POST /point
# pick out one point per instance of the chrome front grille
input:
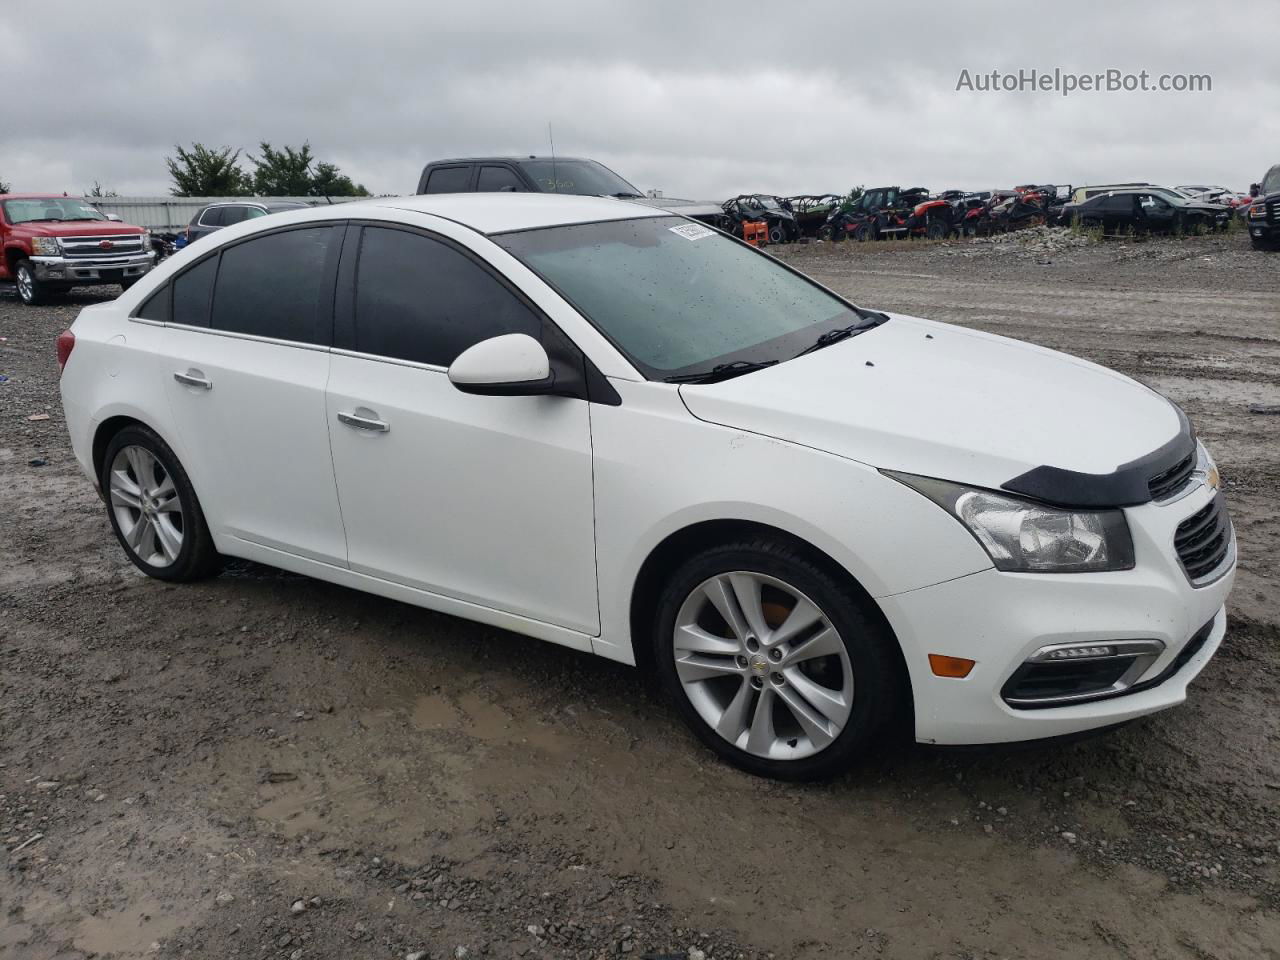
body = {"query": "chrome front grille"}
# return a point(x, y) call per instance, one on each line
point(1273, 211)
point(1203, 540)
point(92, 248)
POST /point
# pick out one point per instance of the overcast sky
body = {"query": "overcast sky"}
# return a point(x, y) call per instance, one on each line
point(698, 99)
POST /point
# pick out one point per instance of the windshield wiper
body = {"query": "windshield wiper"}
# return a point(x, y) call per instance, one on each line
point(844, 333)
point(722, 371)
point(44, 220)
point(627, 196)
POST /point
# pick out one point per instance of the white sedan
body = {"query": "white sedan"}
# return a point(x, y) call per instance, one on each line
point(605, 426)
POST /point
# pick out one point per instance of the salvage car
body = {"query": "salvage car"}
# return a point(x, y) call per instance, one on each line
point(774, 212)
point(53, 242)
point(619, 430)
point(1263, 214)
point(812, 210)
point(1142, 210)
point(215, 216)
point(563, 175)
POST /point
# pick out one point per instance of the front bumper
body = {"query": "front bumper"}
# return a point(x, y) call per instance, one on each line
point(92, 270)
point(1000, 620)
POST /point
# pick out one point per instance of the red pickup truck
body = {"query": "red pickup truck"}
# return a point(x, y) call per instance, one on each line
point(52, 242)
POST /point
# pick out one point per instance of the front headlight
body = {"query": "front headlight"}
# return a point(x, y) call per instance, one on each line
point(1028, 537)
point(46, 246)
point(146, 241)
point(1258, 210)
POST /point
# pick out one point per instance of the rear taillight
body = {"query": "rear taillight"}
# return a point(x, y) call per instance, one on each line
point(66, 343)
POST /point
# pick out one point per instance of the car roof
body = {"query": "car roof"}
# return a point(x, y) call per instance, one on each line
point(505, 212)
point(258, 202)
point(511, 159)
point(40, 196)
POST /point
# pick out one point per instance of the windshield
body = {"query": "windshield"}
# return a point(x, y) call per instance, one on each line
point(679, 298)
point(769, 203)
point(32, 209)
point(581, 177)
point(1271, 182)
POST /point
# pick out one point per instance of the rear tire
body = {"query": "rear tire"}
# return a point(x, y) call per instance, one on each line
point(803, 684)
point(936, 230)
point(153, 509)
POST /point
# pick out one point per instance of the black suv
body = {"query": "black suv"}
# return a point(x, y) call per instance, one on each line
point(1263, 217)
point(568, 175)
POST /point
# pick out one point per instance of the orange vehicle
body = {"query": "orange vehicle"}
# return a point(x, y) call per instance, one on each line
point(755, 232)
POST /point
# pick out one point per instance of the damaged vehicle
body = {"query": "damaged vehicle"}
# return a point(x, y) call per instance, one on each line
point(772, 211)
point(880, 213)
point(819, 525)
point(812, 210)
point(1143, 210)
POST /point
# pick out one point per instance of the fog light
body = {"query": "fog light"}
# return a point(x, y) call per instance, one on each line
point(1080, 653)
point(954, 667)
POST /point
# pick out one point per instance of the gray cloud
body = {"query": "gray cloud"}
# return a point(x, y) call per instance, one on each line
point(698, 99)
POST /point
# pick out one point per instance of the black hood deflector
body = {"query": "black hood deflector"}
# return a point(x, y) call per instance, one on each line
point(1127, 486)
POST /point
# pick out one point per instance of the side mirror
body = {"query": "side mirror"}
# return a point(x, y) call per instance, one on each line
point(512, 365)
point(114, 217)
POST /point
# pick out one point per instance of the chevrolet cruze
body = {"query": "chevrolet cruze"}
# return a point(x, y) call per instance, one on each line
point(594, 423)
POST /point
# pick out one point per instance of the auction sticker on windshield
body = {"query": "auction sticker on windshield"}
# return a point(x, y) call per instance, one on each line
point(692, 231)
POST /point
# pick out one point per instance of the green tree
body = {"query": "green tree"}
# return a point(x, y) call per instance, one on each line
point(4, 187)
point(205, 172)
point(329, 182)
point(98, 190)
point(283, 173)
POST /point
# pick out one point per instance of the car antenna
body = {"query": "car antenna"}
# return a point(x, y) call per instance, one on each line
point(555, 181)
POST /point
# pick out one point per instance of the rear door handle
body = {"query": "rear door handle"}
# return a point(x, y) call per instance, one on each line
point(364, 423)
point(192, 378)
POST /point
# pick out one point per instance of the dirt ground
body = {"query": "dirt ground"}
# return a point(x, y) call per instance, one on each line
point(263, 765)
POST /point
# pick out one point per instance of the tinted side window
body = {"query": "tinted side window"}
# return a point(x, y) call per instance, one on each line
point(493, 179)
point(156, 307)
point(449, 180)
point(235, 214)
point(191, 292)
point(212, 217)
point(273, 286)
point(421, 300)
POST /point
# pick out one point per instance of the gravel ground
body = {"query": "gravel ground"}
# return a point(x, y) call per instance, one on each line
point(262, 765)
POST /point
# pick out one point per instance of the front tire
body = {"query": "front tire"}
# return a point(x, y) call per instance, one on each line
point(31, 290)
point(773, 662)
point(153, 508)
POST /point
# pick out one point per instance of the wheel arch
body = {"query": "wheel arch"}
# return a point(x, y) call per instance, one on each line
point(703, 535)
point(112, 425)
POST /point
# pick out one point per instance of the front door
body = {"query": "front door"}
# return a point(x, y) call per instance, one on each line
point(482, 499)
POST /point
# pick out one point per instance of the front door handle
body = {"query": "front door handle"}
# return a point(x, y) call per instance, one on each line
point(192, 378)
point(364, 423)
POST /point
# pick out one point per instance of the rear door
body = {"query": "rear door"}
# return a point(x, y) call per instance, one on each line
point(487, 500)
point(247, 353)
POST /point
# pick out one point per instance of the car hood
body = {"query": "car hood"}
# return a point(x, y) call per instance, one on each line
point(77, 228)
point(943, 401)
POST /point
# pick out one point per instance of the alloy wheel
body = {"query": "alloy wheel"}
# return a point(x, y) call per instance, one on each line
point(26, 284)
point(763, 666)
point(146, 505)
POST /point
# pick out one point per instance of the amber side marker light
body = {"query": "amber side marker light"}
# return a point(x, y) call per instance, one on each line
point(943, 666)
